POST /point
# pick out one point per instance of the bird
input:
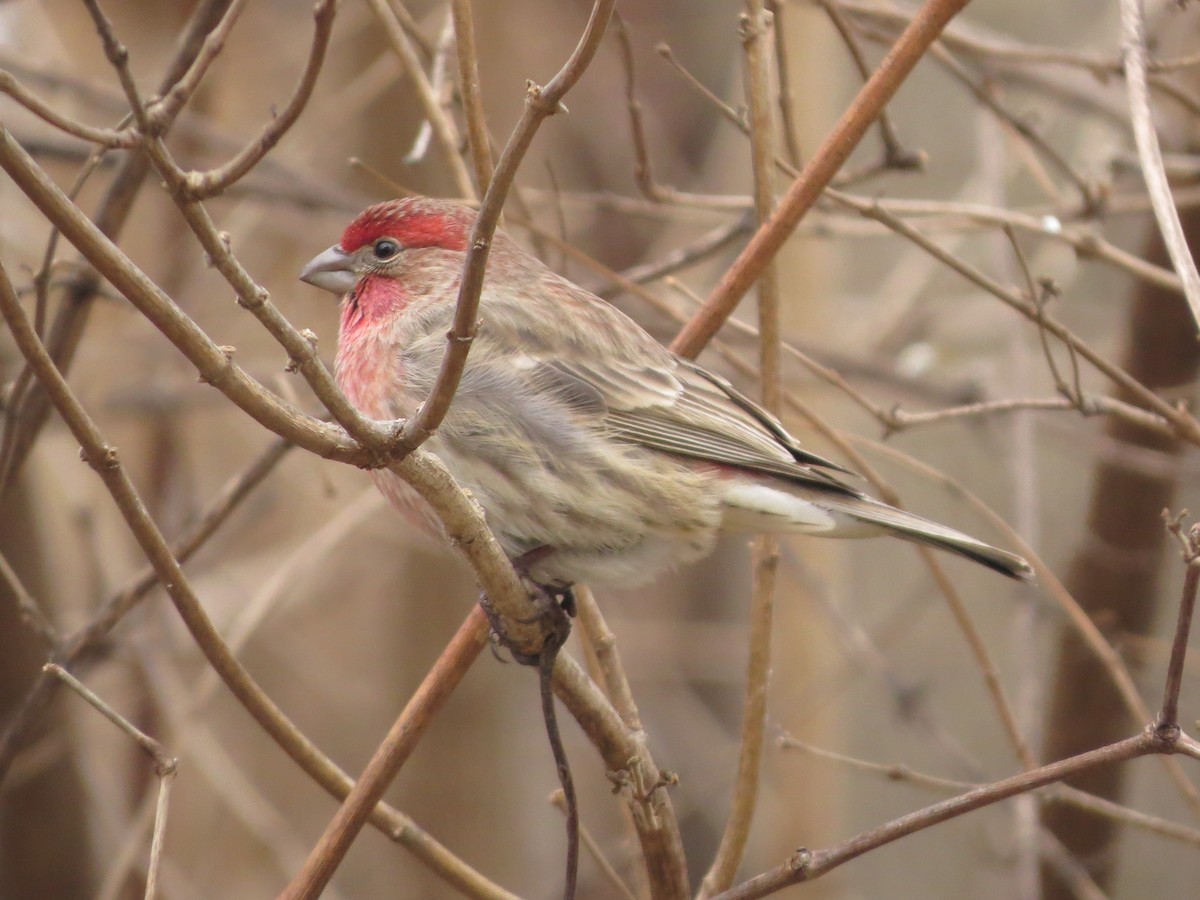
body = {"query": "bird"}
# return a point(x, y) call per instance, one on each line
point(597, 454)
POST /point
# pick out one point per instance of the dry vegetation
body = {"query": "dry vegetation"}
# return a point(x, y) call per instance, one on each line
point(988, 308)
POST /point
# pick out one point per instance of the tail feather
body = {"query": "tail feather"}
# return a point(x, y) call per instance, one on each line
point(765, 506)
point(923, 531)
point(760, 505)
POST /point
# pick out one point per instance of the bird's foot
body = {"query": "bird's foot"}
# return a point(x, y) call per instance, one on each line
point(553, 604)
point(561, 595)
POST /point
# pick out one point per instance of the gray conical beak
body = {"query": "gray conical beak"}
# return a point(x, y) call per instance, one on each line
point(331, 271)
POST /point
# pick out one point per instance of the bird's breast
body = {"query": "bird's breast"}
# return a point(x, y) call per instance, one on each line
point(369, 371)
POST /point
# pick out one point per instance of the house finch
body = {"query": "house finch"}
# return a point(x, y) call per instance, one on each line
point(596, 454)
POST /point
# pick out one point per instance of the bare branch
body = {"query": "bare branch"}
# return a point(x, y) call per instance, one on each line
point(805, 190)
point(443, 128)
point(30, 612)
point(540, 102)
point(755, 36)
point(1168, 716)
point(472, 94)
point(105, 137)
point(164, 768)
point(401, 740)
point(1133, 48)
point(207, 184)
point(809, 864)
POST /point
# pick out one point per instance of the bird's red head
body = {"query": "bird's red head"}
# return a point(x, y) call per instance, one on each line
point(414, 222)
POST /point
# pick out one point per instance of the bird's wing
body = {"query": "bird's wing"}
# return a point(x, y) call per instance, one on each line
point(563, 341)
point(678, 407)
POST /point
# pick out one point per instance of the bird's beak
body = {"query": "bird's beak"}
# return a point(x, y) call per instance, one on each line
point(331, 271)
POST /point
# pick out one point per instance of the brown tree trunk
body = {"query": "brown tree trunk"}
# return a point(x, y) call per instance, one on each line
point(1114, 575)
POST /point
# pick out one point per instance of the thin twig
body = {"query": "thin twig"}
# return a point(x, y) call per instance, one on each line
point(472, 93)
point(540, 102)
point(118, 56)
point(110, 138)
point(1186, 426)
point(165, 767)
point(643, 175)
point(1086, 243)
point(1088, 631)
point(895, 156)
point(604, 644)
point(1133, 49)
point(1057, 793)
point(443, 128)
point(806, 864)
point(1168, 716)
point(66, 332)
point(787, 105)
point(176, 96)
point(429, 478)
point(73, 648)
point(156, 751)
point(635, 776)
point(686, 255)
point(983, 659)
point(804, 191)
point(214, 364)
point(1039, 144)
point(208, 184)
point(442, 88)
point(597, 852)
point(31, 613)
point(754, 30)
point(897, 419)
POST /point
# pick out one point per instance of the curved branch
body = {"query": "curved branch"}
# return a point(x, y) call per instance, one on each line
point(1133, 46)
point(540, 102)
point(163, 112)
point(202, 185)
point(123, 138)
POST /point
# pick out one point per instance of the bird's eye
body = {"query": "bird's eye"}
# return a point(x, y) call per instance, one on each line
point(385, 249)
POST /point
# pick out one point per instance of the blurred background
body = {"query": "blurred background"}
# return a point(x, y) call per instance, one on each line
point(338, 608)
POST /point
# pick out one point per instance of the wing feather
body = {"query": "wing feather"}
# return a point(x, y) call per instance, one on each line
point(679, 408)
point(612, 372)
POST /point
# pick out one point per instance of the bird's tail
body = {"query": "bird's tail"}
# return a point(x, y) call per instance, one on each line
point(922, 531)
point(834, 510)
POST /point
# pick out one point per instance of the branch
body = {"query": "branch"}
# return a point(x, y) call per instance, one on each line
point(193, 69)
point(635, 778)
point(123, 138)
point(754, 29)
point(439, 683)
point(403, 47)
point(806, 865)
point(212, 362)
point(67, 329)
point(833, 152)
point(472, 94)
point(202, 185)
point(164, 767)
point(1168, 717)
point(103, 459)
point(1133, 47)
point(31, 614)
point(540, 102)
point(70, 650)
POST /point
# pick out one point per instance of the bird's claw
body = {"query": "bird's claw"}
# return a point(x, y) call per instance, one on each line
point(555, 604)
